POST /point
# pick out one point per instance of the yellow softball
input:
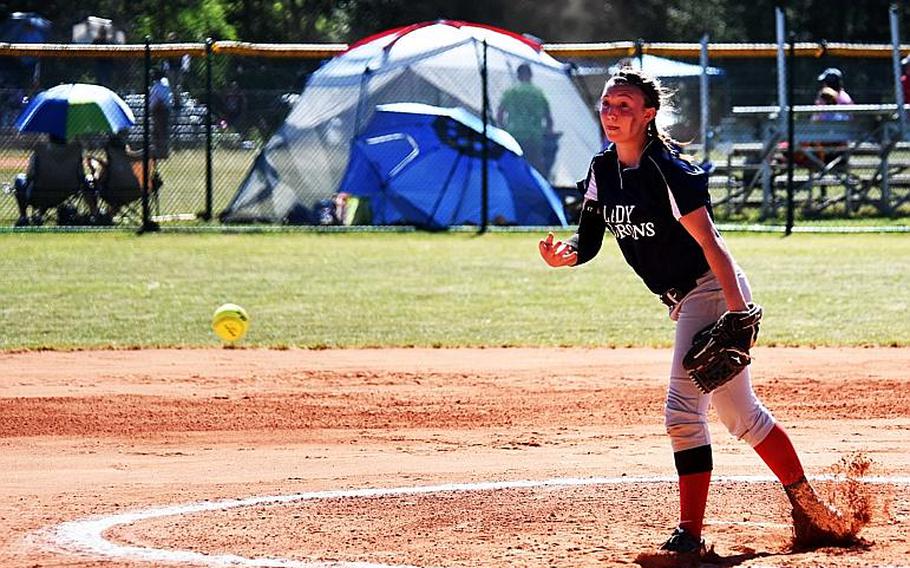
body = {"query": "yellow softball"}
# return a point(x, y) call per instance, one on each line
point(230, 322)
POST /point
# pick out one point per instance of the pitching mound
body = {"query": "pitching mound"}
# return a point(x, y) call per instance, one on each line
point(559, 457)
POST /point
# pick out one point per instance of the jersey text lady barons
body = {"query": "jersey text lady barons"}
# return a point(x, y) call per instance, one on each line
point(641, 208)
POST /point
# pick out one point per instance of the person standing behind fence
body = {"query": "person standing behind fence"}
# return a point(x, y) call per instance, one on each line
point(103, 65)
point(161, 104)
point(235, 106)
point(525, 114)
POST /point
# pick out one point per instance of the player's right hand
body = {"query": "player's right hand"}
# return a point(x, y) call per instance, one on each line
point(557, 254)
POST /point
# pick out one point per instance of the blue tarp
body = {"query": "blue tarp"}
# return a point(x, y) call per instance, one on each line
point(422, 165)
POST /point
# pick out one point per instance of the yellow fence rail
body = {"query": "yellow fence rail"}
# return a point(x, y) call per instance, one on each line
point(326, 50)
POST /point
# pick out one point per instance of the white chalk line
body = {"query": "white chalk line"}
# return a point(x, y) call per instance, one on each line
point(86, 536)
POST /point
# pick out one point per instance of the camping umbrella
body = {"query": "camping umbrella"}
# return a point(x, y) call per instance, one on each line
point(422, 165)
point(72, 109)
point(24, 27)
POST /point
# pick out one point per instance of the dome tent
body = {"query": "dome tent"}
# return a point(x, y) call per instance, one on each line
point(417, 164)
point(434, 63)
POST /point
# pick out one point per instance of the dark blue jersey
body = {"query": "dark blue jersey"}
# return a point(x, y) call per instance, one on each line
point(641, 208)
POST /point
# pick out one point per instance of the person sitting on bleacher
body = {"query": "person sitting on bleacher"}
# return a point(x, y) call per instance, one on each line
point(831, 92)
point(815, 155)
point(833, 78)
point(828, 96)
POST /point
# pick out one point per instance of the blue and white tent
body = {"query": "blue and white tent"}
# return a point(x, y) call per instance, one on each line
point(435, 63)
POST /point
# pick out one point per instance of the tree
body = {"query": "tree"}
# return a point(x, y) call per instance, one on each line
point(183, 20)
point(566, 21)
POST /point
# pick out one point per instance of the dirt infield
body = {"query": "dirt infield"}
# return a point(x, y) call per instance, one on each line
point(99, 433)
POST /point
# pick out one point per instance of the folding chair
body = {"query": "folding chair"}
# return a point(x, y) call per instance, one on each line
point(56, 179)
point(118, 182)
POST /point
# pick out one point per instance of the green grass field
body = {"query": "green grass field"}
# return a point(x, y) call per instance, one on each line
point(375, 289)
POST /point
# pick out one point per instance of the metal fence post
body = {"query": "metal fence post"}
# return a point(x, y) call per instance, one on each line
point(791, 134)
point(704, 100)
point(899, 99)
point(147, 224)
point(485, 156)
point(769, 205)
point(207, 214)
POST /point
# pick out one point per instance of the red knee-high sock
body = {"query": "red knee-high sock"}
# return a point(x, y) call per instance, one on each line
point(694, 468)
point(777, 451)
point(693, 496)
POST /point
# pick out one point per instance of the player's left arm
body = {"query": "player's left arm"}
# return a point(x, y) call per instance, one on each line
point(699, 224)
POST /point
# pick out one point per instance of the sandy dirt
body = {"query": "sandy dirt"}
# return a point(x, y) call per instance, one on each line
point(92, 433)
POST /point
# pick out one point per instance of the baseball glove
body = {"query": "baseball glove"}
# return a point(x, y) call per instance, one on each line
point(720, 351)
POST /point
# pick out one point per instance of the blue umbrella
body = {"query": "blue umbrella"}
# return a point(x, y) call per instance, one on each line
point(73, 109)
point(24, 27)
point(422, 165)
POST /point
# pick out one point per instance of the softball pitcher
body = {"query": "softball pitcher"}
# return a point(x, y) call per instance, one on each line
point(656, 205)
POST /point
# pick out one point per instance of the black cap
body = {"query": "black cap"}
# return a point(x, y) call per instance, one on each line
point(831, 72)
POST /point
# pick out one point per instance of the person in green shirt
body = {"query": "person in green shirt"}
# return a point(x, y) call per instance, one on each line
point(525, 114)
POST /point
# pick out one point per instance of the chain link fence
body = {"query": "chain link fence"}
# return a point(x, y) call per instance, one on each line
point(243, 99)
point(230, 103)
point(852, 160)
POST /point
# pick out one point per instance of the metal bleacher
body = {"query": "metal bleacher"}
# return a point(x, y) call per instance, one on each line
point(852, 158)
point(187, 123)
